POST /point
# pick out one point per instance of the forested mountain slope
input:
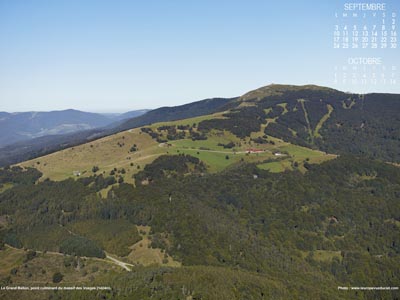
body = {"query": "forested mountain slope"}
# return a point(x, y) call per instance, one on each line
point(321, 118)
point(285, 235)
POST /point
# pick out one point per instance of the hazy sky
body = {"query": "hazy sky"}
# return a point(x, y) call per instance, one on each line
point(115, 55)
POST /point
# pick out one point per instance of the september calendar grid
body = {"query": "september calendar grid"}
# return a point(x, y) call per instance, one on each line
point(366, 35)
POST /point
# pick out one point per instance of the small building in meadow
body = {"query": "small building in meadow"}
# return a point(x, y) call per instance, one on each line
point(251, 150)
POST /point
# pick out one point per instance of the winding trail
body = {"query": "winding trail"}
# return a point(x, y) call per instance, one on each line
point(214, 151)
point(120, 263)
point(108, 259)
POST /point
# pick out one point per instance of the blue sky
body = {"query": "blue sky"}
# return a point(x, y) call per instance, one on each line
point(113, 56)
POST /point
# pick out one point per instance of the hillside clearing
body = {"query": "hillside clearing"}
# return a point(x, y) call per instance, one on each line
point(143, 254)
point(113, 155)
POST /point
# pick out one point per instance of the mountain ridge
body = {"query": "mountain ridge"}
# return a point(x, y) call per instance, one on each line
point(21, 126)
point(313, 116)
point(43, 145)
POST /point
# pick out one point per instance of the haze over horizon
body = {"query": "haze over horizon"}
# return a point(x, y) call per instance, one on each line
point(116, 56)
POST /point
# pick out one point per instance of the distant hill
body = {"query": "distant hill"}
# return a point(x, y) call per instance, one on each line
point(23, 126)
point(24, 150)
point(120, 117)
